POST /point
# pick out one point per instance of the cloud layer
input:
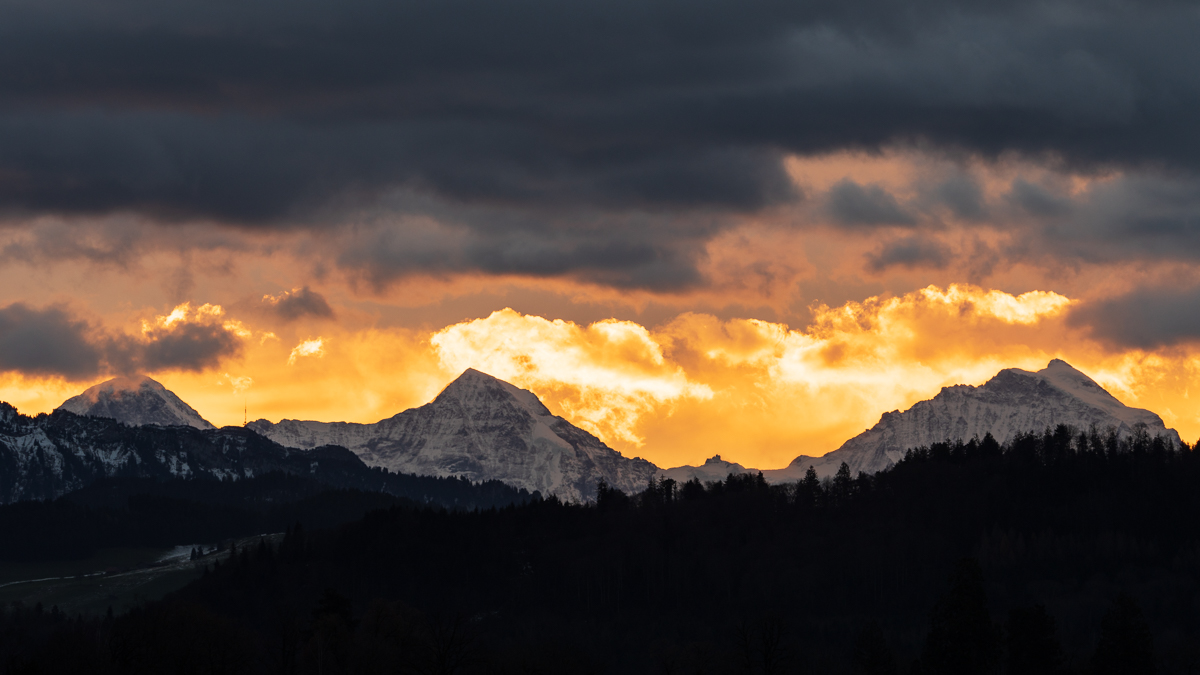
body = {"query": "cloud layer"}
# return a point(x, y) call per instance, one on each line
point(700, 212)
point(601, 141)
point(51, 341)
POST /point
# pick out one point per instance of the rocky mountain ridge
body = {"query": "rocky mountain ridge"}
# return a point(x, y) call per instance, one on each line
point(482, 428)
point(47, 456)
point(1012, 402)
point(479, 427)
point(135, 400)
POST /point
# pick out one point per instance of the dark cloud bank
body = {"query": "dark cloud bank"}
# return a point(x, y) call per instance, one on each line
point(601, 139)
point(52, 342)
point(1147, 318)
point(261, 110)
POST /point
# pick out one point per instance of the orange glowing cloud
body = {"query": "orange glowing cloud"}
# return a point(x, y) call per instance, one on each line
point(757, 392)
point(762, 392)
point(605, 376)
point(314, 347)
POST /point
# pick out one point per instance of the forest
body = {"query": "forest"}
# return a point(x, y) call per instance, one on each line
point(149, 512)
point(1066, 551)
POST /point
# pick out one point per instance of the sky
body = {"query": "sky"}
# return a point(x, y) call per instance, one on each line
point(745, 229)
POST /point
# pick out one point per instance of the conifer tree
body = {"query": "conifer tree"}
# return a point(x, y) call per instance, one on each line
point(872, 656)
point(1033, 646)
point(1126, 646)
point(843, 484)
point(962, 639)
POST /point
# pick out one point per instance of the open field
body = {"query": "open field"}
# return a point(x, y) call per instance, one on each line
point(117, 578)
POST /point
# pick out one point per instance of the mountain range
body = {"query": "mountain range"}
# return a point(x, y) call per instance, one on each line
point(47, 456)
point(479, 427)
point(1012, 402)
point(482, 428)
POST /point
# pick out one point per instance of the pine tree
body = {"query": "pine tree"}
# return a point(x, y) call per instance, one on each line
point(1033, 647)
point(962, 639)
point(1126, 646)
point(872, 656)
point(843, 484)
point(809, 490)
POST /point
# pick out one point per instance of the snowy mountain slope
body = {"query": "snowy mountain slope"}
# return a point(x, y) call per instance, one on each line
point(1012, 402)
point(481, 428)
point(45, 457)
point(135, 400)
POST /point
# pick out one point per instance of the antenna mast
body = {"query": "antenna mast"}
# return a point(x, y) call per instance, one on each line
point(245, 413)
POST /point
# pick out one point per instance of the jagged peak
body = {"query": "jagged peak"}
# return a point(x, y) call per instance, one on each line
point(125, 390)
point(1069, 379)
point(715, 459)
point(127, 383)
point(117, 386)
point(1055, 367)
point(472, 381)
point(1059, 364)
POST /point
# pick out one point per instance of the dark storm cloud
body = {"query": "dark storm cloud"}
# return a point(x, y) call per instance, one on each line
point(187, 346)
point(910, 252)
point(1147, 318)
point(1037, 200)
point(51, 341)
point(46, 342)
point(269, 114)
point(1144, 216)
point(299, 303)
point(639, 253)
point(854, 204)
point(963, 197)
point(254, 111)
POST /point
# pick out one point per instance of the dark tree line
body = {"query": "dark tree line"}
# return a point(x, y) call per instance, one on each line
point(147, 512)
point(1061, 552)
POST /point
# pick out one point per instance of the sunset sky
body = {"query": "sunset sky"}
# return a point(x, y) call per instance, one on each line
point(691, 228)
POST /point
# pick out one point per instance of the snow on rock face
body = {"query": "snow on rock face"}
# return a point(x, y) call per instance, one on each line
point(1012, 402)
point(47, 456)
point(135, 401)
point(481, 428)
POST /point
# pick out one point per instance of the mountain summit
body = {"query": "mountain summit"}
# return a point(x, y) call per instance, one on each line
point(135, 400)
point(1012, 402)
point(479, 428)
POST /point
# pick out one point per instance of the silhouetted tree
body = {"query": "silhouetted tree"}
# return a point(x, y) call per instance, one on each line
point(808, 491)
point(872, 656)
point(609, 498)
point(1033, 646)
point(962, 639)
point(843, 484)
point(692, 490)
point(1126, 646)
point(988, 447)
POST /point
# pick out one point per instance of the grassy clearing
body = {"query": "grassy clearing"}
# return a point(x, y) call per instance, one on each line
point(121, 558)
point(118, 578)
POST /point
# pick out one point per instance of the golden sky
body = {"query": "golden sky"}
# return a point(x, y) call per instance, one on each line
point(797, 332)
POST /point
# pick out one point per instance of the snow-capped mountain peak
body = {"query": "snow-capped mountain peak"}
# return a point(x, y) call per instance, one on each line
point(1062, 375)
point(135, 400)
point(481, 428)
point(473, 387)
point(1014, 401)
